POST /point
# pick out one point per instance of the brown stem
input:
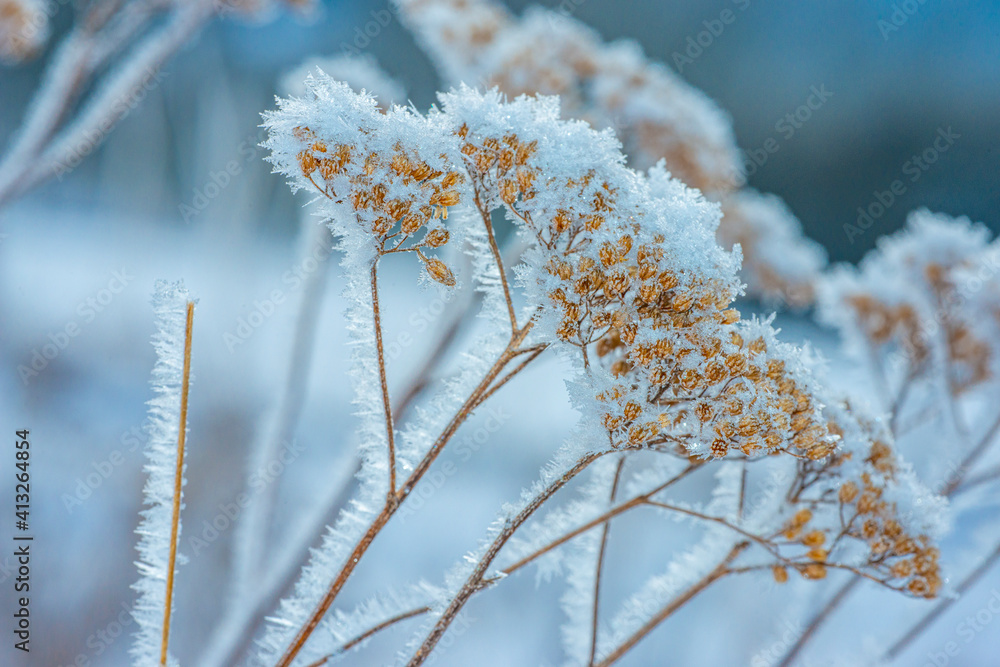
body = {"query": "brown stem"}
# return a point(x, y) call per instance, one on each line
point(488, 223)
point(743, 490)
point(395, 502)
point(475, 580)
point(713, 519)
point(277, 584)
point(818, 620)
point(600, 564)
point(607, 516)
point(721, 570)
point(970, 459)
point(338, 583)
point(532, 355)
point(372, 631)
point(178, 484)
point(389, 428)
point(470, 404)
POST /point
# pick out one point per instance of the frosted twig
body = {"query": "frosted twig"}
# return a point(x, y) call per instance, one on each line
point(478, 575)
point(160, 527)
point(39, 152)
point(382, 518)
point(599, 566)
point(178, 483)
point(721, 570)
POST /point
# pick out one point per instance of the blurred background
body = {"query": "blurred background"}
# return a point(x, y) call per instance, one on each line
point(123, 218)
point(893, 87)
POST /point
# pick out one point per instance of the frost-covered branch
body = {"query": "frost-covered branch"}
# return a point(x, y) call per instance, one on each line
point(623, 278)
point(117, 50)
point(160, 527)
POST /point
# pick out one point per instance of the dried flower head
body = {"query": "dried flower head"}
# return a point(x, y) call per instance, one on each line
point(390, 172)
point(930, 293)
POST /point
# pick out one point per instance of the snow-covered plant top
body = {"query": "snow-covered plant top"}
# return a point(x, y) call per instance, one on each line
point(623, 276)
point(928, 293)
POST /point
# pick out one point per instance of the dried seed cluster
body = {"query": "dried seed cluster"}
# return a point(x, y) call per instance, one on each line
point(679, 364)
point(930, 293)
point(389, 171)
point(845, 505)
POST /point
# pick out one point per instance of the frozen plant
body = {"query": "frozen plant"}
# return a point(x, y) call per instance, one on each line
point(922, 314)
point(624, 280)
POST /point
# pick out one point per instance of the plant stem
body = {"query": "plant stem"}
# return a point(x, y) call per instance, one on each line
point(721, 570)
point(227, 644)
point(386, 404)
point(970, 459)
point(604, 518)
point(498, 258)
point(178, 484)
point(396, 500)
point(474, 582)
point(600, 563)
point(607, 516)
point(819, 619)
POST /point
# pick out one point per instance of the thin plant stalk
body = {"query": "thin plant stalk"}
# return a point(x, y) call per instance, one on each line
point(396, 500)
point(599, 567)
point(475, 580)
point(178, 483)
point(721, 570)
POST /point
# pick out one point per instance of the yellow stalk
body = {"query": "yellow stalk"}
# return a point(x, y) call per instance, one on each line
point(178, 475)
